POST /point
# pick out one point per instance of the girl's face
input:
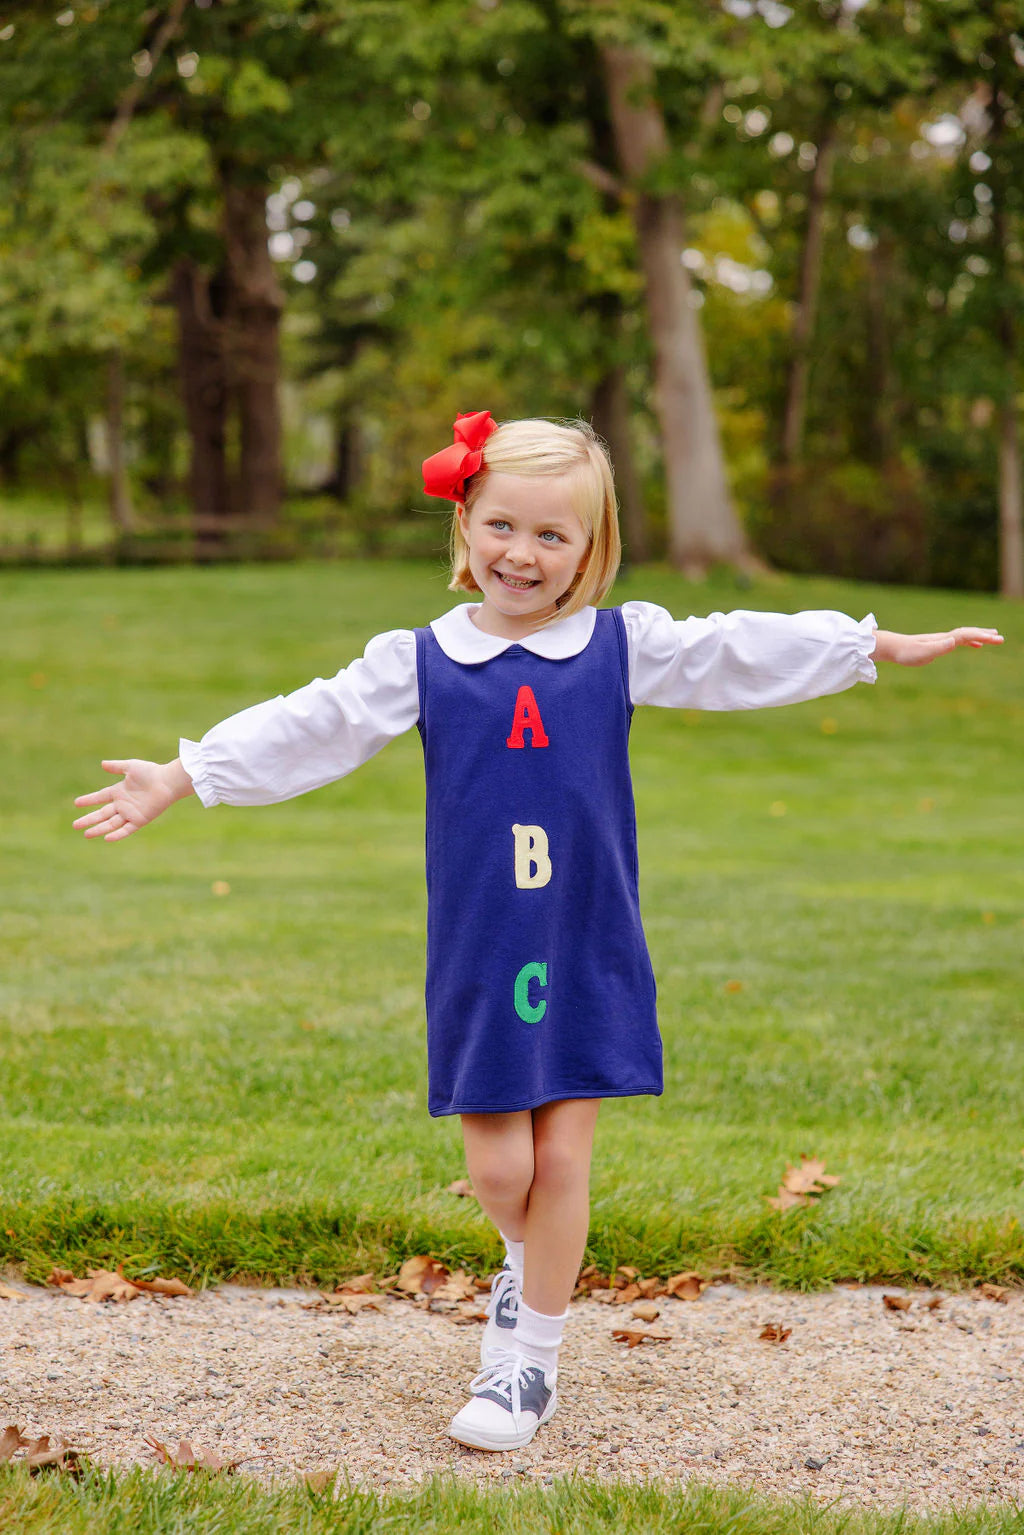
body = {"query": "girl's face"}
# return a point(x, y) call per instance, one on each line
point(526, 547)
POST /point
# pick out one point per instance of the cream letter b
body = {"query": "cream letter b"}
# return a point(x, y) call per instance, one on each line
point(533, 866)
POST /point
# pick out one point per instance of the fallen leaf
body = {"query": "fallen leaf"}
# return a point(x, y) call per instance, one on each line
point(462, 1188)
point(628, 1293)
point(774, 1332)
point(344, 1301)
point(592, 1279)
point(421, 1276)
point(632, 1337)
point(896, 1302)
point(6, 1293)
point(993, 1292)
point(646, 1311)
point(185, 1458)
point(932, 1303)
point(319, 1481)
point(629, 1275)
point(10, 1440)
point(359, 1284)
point(800, 1184)
point(457, 1287)
point(111, 1285)
point(161, 1286)
point(99, 1285)
point(784, 1200)
point(40, 1455)
point(688, 1286)
point(649, 1287)
point(470, 1311)
point(605, 1297)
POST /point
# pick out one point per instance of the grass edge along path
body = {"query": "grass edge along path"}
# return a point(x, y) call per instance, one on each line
point(159, 1503)
point(318, 1244)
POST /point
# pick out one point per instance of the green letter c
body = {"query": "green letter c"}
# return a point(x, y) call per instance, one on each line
point(528, 1011)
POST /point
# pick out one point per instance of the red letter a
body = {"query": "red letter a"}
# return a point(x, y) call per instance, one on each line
point(527, 717)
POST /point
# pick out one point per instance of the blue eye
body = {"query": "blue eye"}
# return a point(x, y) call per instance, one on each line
point(552, 534)
point(498, 522)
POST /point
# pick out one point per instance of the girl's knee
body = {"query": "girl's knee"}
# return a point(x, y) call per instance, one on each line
point(501, 1175)
point(560, 1163)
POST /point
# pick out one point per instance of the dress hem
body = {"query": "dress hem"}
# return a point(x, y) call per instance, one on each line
point(556, 1097)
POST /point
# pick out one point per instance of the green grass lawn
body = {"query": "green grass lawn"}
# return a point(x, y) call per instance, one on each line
point(235, 1084)
point(146, 1503)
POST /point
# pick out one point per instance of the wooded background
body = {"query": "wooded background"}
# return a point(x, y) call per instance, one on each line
point(255, 254)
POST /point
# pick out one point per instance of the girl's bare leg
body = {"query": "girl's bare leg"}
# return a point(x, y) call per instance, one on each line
point(558, 1211)
point(500, 1159)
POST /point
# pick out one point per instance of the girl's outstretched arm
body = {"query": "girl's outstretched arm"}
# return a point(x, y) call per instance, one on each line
point(146, 791)
point(919, 649)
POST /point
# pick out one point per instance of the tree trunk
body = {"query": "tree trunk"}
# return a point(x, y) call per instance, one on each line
point(254, 353)
point(1011, 502)
point(610, 410)
point(703, 527)
point(121, 514)
point(879, 444)
point(204, 391)
point(1011, 489)
point(794, 417)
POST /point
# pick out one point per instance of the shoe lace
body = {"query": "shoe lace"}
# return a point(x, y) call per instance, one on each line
point(506, 1375)
point(504, 1295)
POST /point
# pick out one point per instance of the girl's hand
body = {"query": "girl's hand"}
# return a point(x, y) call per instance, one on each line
point(146, 791)
point(919, 649)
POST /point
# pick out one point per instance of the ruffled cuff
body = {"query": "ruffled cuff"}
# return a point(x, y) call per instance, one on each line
point(867, 671)
point(191, 754)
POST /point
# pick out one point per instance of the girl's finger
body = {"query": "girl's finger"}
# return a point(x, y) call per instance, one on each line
point(97, 797)
point(93, 818)
point(114, 766)
point(122, 832)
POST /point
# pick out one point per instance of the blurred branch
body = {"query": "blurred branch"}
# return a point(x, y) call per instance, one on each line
point(133, 95)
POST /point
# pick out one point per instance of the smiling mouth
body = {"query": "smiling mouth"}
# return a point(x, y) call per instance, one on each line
point(515, 583)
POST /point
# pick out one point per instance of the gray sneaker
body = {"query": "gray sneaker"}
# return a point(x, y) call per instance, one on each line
point(502, 1310)
point(508, 1403)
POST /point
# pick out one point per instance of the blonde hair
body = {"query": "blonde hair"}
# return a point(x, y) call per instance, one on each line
point(533, 447)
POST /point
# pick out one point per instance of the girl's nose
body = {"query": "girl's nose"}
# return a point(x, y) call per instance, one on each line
point(521, 553)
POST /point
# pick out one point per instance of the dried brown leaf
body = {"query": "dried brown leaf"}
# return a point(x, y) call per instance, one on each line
point(628, 1275)
point(10, 1441)
point(993, 1292)
point(319, 1481)
point(897, 1302)
point(646, 1311)
point(470, 1311)
point(457, 1287)
point(343, 1301)
point(421, 1276)
point(627, 1295)
point(632, 1337)
point(40, 1455)
point(605, 1297)
point(6, 1293)
point(360, 1284)
point(774, 1332)
point(462, 1188)
point(185, 1458)
point(932, 1303)
point(651, 1287)
point(785, 1200)
point(98, 1285)
point(688, 1286)
point(161, 1286)
point(592, 1279)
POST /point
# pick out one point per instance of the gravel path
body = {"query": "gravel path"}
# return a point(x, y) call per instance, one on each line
point(860, 1403)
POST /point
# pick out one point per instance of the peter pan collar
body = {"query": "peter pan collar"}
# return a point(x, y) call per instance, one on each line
point(461, 640)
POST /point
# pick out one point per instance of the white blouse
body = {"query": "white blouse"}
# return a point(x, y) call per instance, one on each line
point(743, 660)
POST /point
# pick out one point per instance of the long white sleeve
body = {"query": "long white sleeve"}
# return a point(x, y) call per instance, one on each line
point(744, 660)
point(289, 745)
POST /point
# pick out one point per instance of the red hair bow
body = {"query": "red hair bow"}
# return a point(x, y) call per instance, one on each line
point(445, 473)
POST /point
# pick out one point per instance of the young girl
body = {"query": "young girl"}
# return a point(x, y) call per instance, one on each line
point(540, 995)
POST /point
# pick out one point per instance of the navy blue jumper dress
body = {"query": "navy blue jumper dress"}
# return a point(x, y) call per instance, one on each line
point(539, 984)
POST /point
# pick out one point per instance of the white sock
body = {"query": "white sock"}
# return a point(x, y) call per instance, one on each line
point(515, 1253)
point(537, 1336)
